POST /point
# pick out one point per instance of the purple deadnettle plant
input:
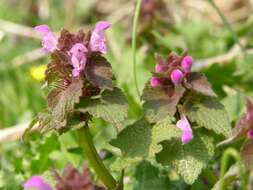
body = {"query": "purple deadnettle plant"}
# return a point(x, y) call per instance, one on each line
point(80, 87)
point(180, 109)
point(173, 77)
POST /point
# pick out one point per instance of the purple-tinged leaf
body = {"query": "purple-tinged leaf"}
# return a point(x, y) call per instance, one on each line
point(67, 40)
point(245, 123)
point(72, 179)
point(99, 72)
point(198, 82)
point(61, 101)
point(59, 69)
point(247, 153)
point(160, 102)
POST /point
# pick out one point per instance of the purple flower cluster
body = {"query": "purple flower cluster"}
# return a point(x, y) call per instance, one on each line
point(176, 74)
point(173, 71)
point(78, 51)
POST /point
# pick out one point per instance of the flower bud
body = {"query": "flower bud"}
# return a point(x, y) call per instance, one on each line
point(155, 81)
point(176, 76)
point(186, 64)
point(158, 68)
point(250, 134)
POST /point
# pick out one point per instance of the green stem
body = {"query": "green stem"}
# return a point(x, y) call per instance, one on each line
point(225, 21)
point(86, 143)
point(134, 34)
point(231, 152)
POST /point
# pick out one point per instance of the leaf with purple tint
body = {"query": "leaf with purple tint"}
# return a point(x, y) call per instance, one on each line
point(159, 102)
point(99, 72)
point(199, 83)
point(247, 153)
point(245, 123)
point(62, 101)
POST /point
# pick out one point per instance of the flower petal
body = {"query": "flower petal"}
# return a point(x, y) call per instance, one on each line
point(186, 64)
point(78, 58)
point(97, 40)
point(186, 129)
point(102, 25)
point(49, 42)
point(176, 76)
point(36, 182)
point(154, 82)
point(44, 29)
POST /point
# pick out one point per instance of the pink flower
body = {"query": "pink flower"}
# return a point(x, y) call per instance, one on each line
point(78, 58)
point(176, 76)
point(97, 40)
point(186, 129)
point(154, 82)
point(49, 40)
point(37, 183)
point(250, 134)
point(160, 68)
point(186, 64)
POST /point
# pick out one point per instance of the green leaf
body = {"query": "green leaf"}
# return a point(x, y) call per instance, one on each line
point(149, 177)
point(199, 83)
point(188, 160)
point(99, 72)
point(159, 103)
point(208, 112)
point(121, 163)
point(112, 106)
point(142, 140)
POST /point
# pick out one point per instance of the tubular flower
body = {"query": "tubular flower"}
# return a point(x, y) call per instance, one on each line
point(37, 183)
point(49, 40)
point(97, 40)
point(159, 68)
point(78, 58)
point(250, 134)
point(184, 125)
point(174, 69)
point(186, 64)
point(176, 76)
point(154, 82)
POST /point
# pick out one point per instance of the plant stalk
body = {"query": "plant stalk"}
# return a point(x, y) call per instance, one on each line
point(231, 152)
point(134, 34)
point(226, 23)
point(86, 143)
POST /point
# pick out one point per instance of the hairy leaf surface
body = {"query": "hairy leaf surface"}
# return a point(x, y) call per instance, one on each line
point(188, 160)
point(159, 103)
point(112, 106)
point(208, 112)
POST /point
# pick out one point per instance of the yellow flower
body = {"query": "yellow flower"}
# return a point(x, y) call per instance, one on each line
point(38, 72)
